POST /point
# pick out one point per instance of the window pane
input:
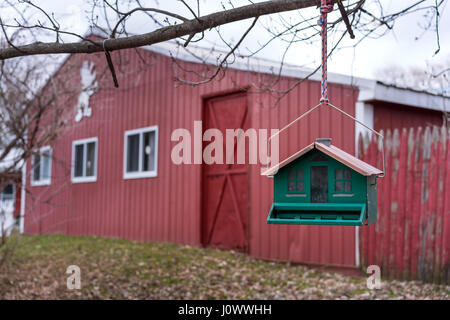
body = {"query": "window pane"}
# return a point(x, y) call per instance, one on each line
point(79, 154)
point(148, 152)
point(36, 167)
point(90, 159)
point(8, 189)
point(347, 186)
point(347, 174)
point(152, 151)
point(45, 162)
point(133, 153)
point(291, 186)
point(300, 174)
point(300, 186)
point(291, 174)
point(8, 193)
point(338, 186)
point(338, 173)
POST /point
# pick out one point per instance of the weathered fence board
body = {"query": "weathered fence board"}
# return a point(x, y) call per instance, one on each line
point(411, 239)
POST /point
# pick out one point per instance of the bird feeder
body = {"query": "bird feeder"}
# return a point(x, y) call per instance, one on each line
point(323, 185)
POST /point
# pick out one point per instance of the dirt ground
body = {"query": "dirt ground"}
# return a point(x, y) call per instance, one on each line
point(119, 269)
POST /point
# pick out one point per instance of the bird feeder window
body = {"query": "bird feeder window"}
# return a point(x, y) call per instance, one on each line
point(343, 181)
point(296, 183)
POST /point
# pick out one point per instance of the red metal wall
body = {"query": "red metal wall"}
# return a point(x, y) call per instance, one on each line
point(168, 207)
point(411, 239)
point(396, 116)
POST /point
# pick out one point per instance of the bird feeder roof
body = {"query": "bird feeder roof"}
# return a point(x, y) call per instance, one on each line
point(339, 155)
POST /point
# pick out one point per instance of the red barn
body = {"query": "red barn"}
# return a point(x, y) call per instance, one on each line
point(110, 171)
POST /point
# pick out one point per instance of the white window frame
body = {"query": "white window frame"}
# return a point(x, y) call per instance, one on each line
point(2, 199)
point(84, 142)
point(42, 182)
point(140, 173)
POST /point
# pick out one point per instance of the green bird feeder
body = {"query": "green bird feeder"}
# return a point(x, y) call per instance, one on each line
point(323, 185)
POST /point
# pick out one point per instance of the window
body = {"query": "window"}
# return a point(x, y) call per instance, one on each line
point(343, 180)
point(141, 153)
point(296, 181)
point(8, 193)
point(41, 167)
point(84, 160)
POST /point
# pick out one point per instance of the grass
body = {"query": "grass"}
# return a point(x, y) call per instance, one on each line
point(120, 269)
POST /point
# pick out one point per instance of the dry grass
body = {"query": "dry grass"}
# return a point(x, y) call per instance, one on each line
point(119, 269)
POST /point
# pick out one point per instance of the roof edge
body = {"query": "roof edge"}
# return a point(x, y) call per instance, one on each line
point(370, 90)
point(413, 98)
point(334, 152)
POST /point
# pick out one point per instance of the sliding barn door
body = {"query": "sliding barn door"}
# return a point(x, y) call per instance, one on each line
point(225, 194)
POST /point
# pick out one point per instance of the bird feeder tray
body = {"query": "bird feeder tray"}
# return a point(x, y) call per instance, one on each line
point(350, 214)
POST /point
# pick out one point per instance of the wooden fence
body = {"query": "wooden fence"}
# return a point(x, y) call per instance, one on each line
point(411, 239)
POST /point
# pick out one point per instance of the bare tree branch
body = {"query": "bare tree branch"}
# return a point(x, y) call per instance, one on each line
point(162, 34)
point(224, 60)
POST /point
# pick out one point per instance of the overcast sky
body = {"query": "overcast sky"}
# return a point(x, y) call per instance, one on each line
point(406, 46)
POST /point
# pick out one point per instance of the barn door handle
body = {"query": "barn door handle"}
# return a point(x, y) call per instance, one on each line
point(345, 114)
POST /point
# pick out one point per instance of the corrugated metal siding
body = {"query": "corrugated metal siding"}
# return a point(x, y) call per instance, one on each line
point(395, 116)
point(168, 207)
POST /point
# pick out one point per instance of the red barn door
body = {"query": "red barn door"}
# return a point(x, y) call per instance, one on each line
point(225, 186)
